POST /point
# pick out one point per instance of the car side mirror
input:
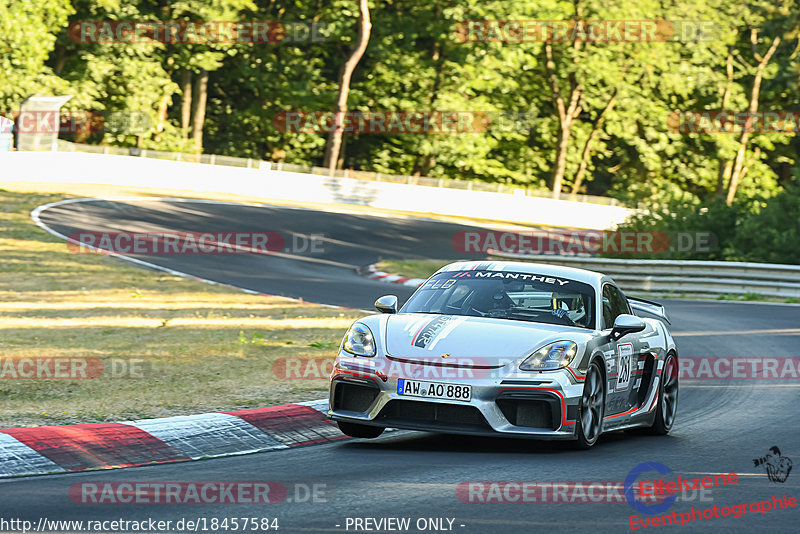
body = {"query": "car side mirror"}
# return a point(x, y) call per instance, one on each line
point(626, 324)
point(388, 304)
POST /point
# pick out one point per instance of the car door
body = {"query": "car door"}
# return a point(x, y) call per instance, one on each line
point(622, 357)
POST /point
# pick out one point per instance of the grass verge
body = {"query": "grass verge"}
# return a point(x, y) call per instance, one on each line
point(193, 347)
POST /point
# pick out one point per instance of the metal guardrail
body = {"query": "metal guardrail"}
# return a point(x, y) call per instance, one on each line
point(700, 278)
point(250, 163)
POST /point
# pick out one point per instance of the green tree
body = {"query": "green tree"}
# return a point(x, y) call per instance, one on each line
point(28, 30)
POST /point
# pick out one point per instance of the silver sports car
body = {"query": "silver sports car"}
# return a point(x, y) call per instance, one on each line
point(510, 349)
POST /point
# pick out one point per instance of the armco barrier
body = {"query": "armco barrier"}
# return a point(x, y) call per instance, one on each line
point(77, 167)
point(702, 278)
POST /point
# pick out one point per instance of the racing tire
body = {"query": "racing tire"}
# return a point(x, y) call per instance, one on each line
point(355, 430)
point(667, 398)
point(591, 408)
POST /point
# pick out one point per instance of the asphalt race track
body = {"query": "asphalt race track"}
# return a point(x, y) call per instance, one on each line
point(722, 425)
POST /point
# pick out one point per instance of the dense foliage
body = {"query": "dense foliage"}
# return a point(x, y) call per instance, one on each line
point(755, 229)
point(601, 108)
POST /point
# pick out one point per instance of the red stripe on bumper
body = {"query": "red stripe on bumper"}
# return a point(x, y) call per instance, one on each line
point(564, 421)
point(576, 375)
point(96, 446)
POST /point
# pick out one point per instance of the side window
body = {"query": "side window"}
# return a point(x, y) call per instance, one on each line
point(614, 304)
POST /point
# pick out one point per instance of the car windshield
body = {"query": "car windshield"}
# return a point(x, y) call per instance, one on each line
point(506, 295)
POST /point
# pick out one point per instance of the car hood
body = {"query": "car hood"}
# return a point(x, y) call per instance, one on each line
point(426, 337)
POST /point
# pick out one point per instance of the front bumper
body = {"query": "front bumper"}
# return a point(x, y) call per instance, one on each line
point(508, 402)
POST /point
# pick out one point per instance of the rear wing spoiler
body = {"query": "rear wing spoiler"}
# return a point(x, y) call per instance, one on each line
point(648, 306)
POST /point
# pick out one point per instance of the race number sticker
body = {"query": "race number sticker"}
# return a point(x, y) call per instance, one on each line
point(624, 365)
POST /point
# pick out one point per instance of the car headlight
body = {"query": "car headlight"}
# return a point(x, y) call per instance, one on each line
point(552, 356)
point(359, 341)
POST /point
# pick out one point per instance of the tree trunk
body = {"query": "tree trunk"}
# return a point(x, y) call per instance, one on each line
point(61, 60)
point(736, 173)
point(85, 130)
point(725, 166)
point(186, 102)
point(342, 152)
point(561, 157)
point(345, 74)
point(566, 115)
point(756, 157)
point(163, 107)
point(200, 95)
point(423, 164)
point(738, 164)
point(587, 148)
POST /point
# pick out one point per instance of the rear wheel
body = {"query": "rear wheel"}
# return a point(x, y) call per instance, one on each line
point(592, 407)
point(667, 398)
point(355, 430)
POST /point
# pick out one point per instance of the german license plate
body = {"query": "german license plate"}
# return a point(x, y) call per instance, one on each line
point(434, 390)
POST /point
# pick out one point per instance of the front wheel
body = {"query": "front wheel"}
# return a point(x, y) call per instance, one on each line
point(355, 430)
point(667, 398)
point(591, 408)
